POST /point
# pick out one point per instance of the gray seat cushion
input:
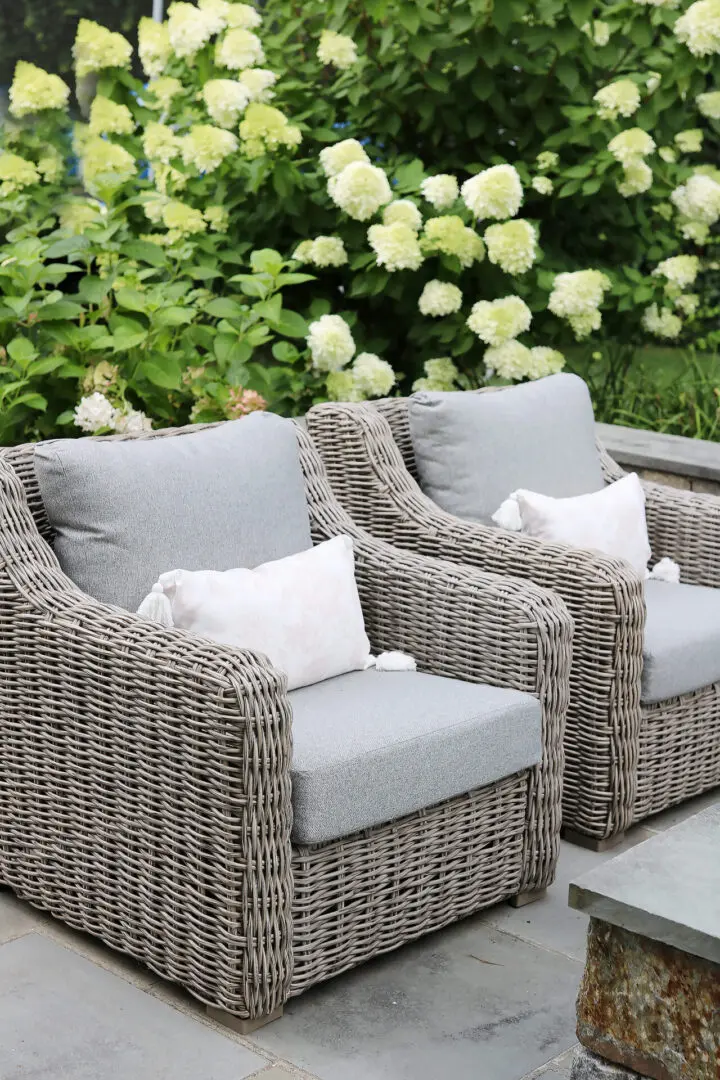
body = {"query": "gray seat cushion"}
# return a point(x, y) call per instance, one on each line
point(681, 652)
point(473, 450)
point(372, 746)
point(218, 498)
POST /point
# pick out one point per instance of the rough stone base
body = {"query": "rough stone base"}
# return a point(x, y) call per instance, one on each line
point(649, 1007)
point(588, 1066)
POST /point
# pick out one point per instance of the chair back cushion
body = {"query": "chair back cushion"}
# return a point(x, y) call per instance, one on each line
point(472, 450)
point(125, 511)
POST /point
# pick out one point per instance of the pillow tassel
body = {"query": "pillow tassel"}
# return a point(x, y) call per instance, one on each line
point(156, 606)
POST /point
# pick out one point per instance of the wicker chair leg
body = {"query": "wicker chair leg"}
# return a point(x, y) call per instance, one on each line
point(529, 897)
point(237, 1023)
point(592, 843)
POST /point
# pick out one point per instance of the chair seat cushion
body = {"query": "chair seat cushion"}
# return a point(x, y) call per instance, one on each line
point(370, 747)
point(682, 640)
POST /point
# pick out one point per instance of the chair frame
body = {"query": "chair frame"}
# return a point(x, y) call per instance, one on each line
point(624, 760)
point(145, 792)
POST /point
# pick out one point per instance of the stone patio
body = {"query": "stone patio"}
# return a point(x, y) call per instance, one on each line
point(491, 998)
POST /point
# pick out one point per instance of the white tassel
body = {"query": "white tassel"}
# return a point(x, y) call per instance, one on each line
point(507, 516)
point(666, 570)
point(156, 606)
point(395, 661)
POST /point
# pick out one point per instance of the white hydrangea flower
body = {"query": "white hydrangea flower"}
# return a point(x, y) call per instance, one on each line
point(652, 81)
point(258, 82)
point(331, 343)
point(450, 235)
point(303, 252)
point(545, 361)
point(96, 48)
point(33, 90)
point(631, 144)
point(337, 50)
point(333, 159)
point(164, 90)
point(709, 104)
point(205, 147)
point(396, 246)
point(225, 101)
point(154, 46)
point(497, 321)
point(109, 118)
point(189, 28)
point(511, 246)
point(132, 422)
point(238, 49)
point(547, 159)
point(372, 376)
point(699, 27)
point(679, 270)
point(598, 31)
point(698, 199)
point(543, 185)
point(582, 325)
point(690, 141)
point(160, 143)
point(577, 296)
point(404, 211)
point(327, 251)
point(638, 178)
point(494, 193)
point(94, 412)
point(440, 375)
point(688, 303)
point(663, 323)
point(511, 360)
point(667, 154)
point(341, 386)
point(621, 98)
point(360, 190)
point(440, 191)
point(440, 298)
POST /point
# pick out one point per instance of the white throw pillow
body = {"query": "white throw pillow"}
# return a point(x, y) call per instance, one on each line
point(611, 520)
point(303, 612)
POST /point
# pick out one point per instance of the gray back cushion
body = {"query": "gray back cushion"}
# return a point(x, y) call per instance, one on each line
point(215, 499)
point(473, 450)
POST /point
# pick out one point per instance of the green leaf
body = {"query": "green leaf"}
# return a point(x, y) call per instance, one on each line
point(408, 17)
point(173, 316)
point(67, 248)
point(581, 11)
point(21, 350)
point(266, 261)
point(93, 290)
point(45, 365)
point(225, 308)
point(61, 309)
point(144, 251)
point(567, 74)
point(285, 352)
point(32, 401)
point(250, 285)
point(65, 417)
point(131, 300)
point(291, 324)
point(168, 375)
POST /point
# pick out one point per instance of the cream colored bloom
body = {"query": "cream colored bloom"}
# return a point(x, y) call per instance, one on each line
point(33, 90)
point(341, 386)
point(441, 191)
point(709, 104)
point(699, 27)
point(337, 50)
point(164, 90)
point(497, 321)
point(360, 190)
point(697, 231)
point(680, 270)
point(154, 46)
point(242, 16)
point(545, 361)
point(404, 211)
point(303, 252)
point(216, 217)
point(396, 246)
point(663, 323)
point(583, 325)
point(511, 360)
point(331, 343)
point(239, 49)
point(190, 28)
point(579, 293)
point(96, 48)
point(451, 236)
point(160, 143)
point(109, 118)
point(105, 165)
point(94, 413)
point(205, 147)
point(512, 246)
point(547, 159)
point(327, 251)
point(620, 98)
point(698, 199)
point(690, 141)
point(688, 303)
point(638, 178)
point(51, 165)
point(225, 101)
point(333, 159)
point(598, 31)
point(373, 377)
point(630, 145)
point(440, 298)
point(494, 193)
point(133, 421)
point(182, 219)
point(77, 215)
point(258, 82)
point(440, 375)
point(543, 185)
point(652, 81)
point(667, 154)
point(16, 173)
point(264, 128)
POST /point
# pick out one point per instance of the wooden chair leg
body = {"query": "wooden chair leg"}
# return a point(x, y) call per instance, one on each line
point(528, 897)
point(592, 843)
point(237, 1023)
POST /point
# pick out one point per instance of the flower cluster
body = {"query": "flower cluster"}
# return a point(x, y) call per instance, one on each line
point(96, 48)
point(189, 28)
point(360, 189)
point(638, 177)
point(109, 118)
point(258, 82)
point(498, 321)
point(688, 303)
point(546, 160)
point(440, 298)
point(396, 246)
point(16, 173)
point(621, 98)
point(322, 251)
point(205, 147)
point(598, 31)
point(164, 90)
point(225, 101)
point(338, 50)
point(441, 191)
point(369, 377)
point(405, 212)
point(182, 220)
point(661, 322)
point(265, 128)
point(242, 402)
point(239, 49)
point(542, 184)
point(699, 27)
point(493, 193)
point(105, 165)
point(34, 90)
point(160, 143)
point(698, 201)
point(333, 159)
point(51, 165)
point(511, 246)
point(331, 343)
point(451, 236)
point(441, 375)
point(154, 47)
point(95, 412)
point(680, 270)
point(577, 297)
point(631, 144)
point(690, 141)
point(709, 104)
point(545, 361)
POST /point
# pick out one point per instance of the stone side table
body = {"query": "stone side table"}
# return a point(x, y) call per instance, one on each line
point(649, 1002)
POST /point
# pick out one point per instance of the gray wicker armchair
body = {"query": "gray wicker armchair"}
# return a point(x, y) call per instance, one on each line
point(624, 760)
point(145, 788)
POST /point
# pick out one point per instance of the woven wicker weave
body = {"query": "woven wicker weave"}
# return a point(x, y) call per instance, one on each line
point(624, 761)
point(145, 784)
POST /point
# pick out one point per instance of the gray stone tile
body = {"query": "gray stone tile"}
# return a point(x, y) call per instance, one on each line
point(549, 922)
point(16, 918)
point(669, 818)
point(464, 1003)
point(64, 1018)
point(281, 1072)
point(558, 1069)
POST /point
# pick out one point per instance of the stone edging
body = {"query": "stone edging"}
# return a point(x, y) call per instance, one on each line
point(664, 457)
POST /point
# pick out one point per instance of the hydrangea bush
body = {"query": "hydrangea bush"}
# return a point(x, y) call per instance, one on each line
point(446, 193)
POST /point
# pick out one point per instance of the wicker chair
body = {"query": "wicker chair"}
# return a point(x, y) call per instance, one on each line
point(624, 760)
point(145, 773)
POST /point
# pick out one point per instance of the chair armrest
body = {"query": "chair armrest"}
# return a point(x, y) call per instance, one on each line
point(144, 780)
point(469, 624)
point(685, 526)
point(604, 596)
